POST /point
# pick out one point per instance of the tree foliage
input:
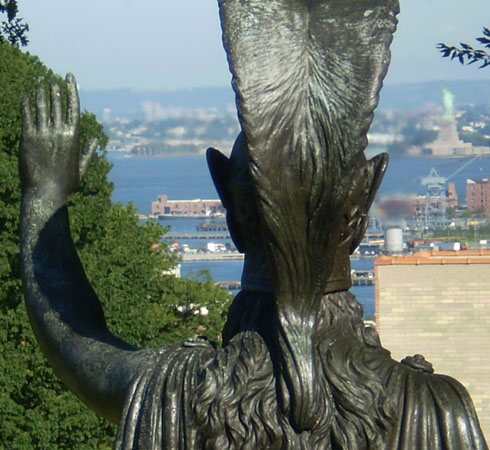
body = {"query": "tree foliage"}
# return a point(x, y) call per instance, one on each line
point(13, 29)
point(466, 54)
point(124, 260)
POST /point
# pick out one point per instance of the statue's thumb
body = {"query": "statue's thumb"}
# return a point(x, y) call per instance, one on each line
point(87, 156)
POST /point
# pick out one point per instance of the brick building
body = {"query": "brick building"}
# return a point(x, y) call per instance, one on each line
point(438, 304)
point(478, 195)
point(197, 207)
point(451, 196)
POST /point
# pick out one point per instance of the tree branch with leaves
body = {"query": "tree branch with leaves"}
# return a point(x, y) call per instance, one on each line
point(466, 54)
point(13, 29)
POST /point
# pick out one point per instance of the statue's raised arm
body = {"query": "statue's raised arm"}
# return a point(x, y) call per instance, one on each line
point(63, 308)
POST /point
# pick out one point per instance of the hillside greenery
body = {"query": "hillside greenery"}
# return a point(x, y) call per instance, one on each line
point(125, 261)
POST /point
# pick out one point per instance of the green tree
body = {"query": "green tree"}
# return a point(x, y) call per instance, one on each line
point(467, 54)
point(13, 29)
point(126, 263)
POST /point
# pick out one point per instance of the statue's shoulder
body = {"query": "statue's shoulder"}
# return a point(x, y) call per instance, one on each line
point(429, 410)
point(159, 399)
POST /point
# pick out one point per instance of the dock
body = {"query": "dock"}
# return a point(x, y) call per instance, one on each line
point(229, 285)
point(362, 282)
point(213, 227)
point(362, 277)
point(178, 236)
point(208, 256)
point(359, 278)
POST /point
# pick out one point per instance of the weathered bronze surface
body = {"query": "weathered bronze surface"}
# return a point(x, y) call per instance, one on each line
point(298, 368)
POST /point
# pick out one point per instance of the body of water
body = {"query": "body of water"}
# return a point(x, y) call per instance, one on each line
point(140, 180)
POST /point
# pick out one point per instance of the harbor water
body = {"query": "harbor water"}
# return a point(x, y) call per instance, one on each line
point(140, 180)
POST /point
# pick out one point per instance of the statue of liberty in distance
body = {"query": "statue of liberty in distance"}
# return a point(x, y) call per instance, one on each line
point(298, 368)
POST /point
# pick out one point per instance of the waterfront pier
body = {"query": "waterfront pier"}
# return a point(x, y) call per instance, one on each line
point(177, 236)
point(359, 278)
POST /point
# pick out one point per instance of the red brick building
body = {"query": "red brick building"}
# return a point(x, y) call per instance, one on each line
point(478, 195)
point(196, 207)
point(451, 196)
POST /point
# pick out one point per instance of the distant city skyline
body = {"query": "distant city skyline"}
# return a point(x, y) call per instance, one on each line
point(150, 44)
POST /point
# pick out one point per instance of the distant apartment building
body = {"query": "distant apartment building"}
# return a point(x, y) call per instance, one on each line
point(438, 304)
point(196, 207)
point(478, 195)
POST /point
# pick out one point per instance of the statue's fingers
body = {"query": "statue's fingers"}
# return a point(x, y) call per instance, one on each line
point(55, 104)
point(27, 123)
point(73, 110)
point(41, 109)
point(87, 156)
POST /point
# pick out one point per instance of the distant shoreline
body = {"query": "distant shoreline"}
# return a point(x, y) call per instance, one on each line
point(129, 155)
point(224, 256)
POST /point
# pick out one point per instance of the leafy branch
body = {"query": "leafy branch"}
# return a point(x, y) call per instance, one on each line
point(13, 29)
point(466, 54)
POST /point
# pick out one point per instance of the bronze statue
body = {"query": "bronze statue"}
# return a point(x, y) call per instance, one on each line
point(298, 368)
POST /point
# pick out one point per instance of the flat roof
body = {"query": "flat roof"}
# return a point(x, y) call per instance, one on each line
point(196, 200)
point(434, 257)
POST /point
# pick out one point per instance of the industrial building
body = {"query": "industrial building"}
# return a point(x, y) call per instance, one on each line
point(428, 210)
point(186, 208)
point(438, 304)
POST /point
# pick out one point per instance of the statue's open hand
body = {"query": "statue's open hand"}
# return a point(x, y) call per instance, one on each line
point(50, 159)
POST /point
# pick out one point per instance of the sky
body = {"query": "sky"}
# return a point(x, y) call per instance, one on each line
point(175, 44)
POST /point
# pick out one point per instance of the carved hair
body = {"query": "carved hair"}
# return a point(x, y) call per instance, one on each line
point(349, 353)
point(236, 403)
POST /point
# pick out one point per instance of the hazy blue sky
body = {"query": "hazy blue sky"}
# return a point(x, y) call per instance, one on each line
point(167, 44)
